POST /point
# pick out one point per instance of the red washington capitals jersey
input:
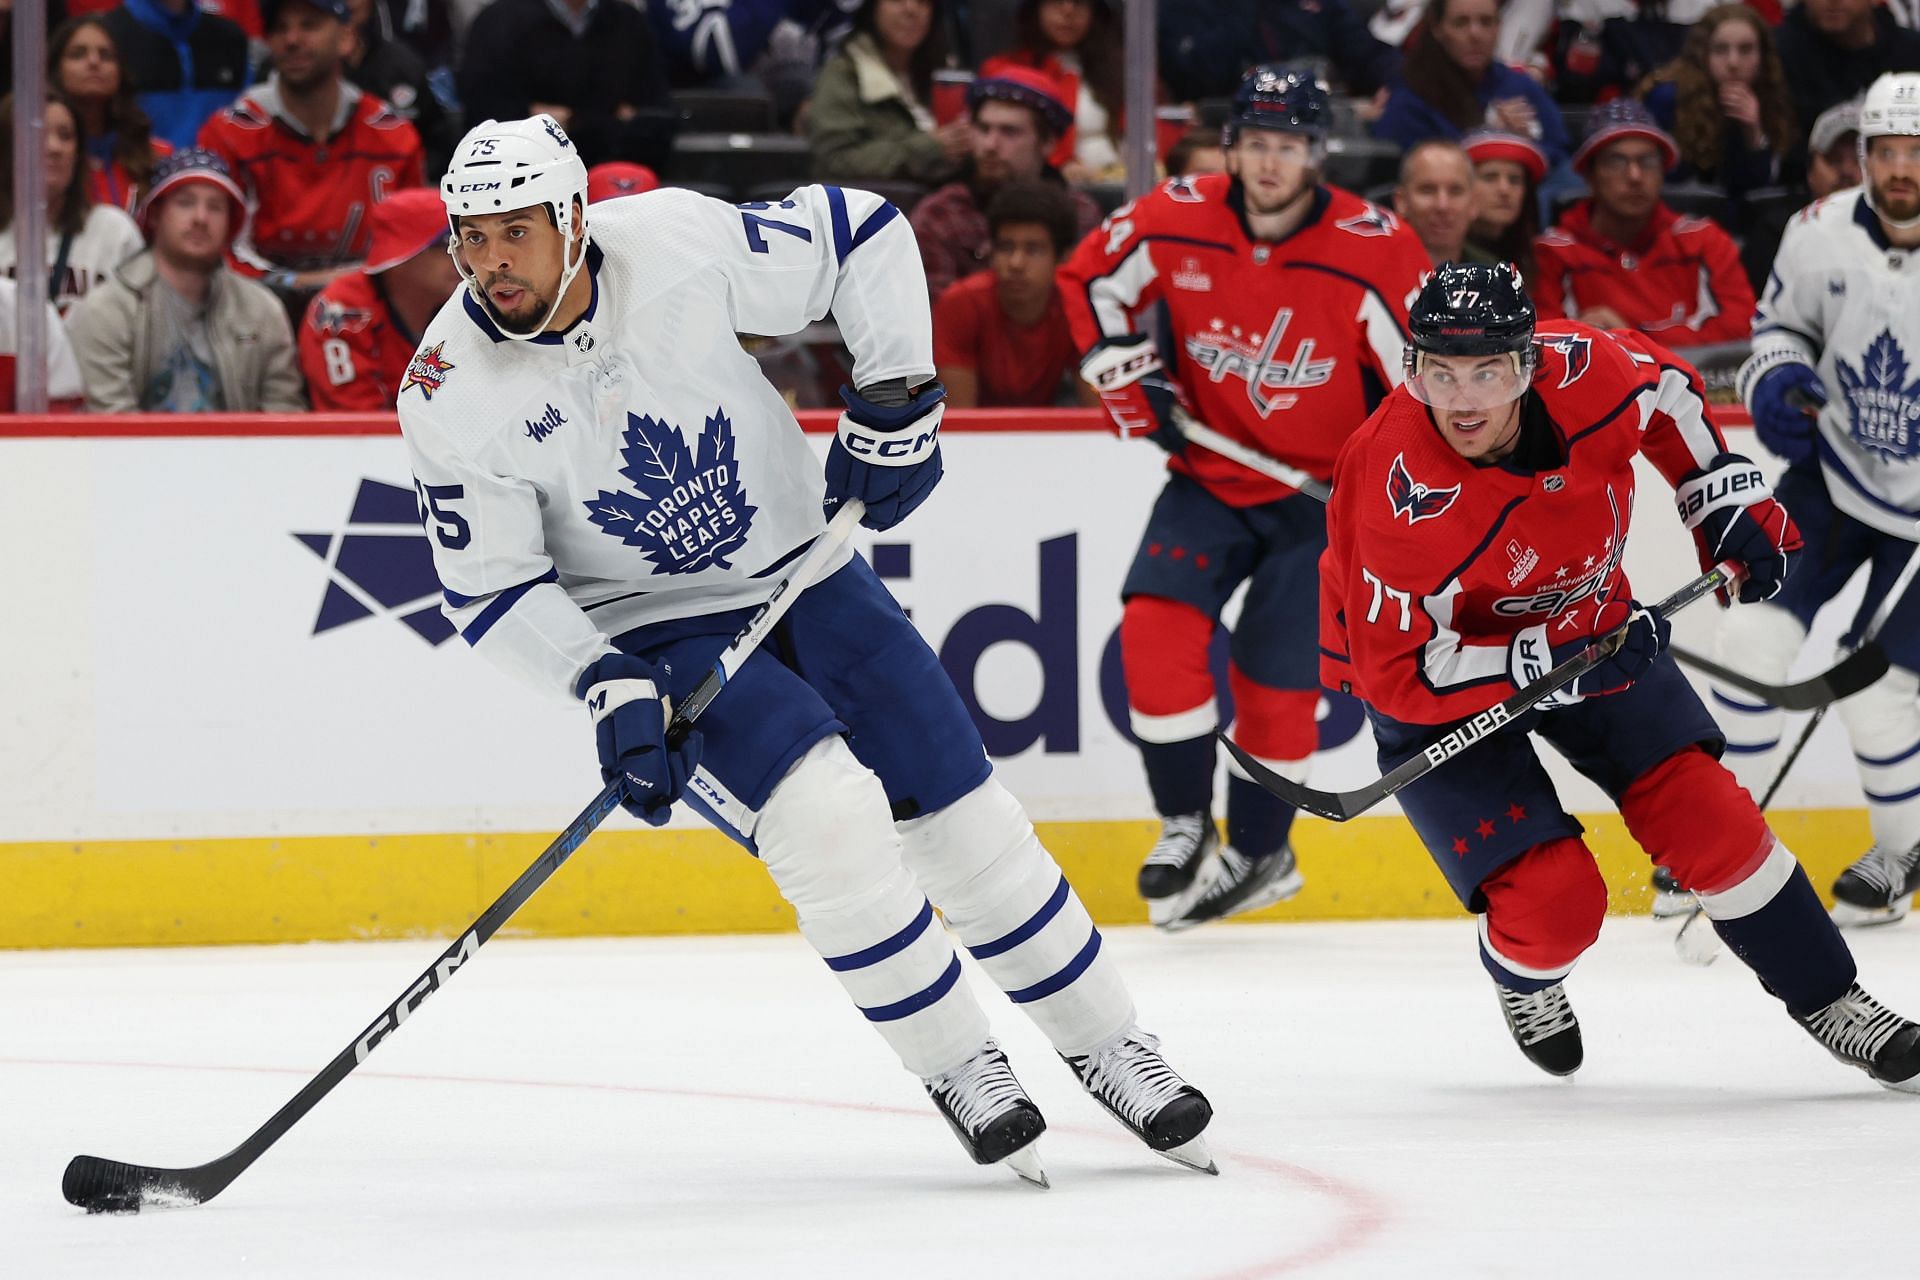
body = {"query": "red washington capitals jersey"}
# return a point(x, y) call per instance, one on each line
point(1433, 564)
point(1283, 345)
point(309, 198)
point(354, 350)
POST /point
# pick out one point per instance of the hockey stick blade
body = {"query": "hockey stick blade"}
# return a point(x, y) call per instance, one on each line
point(1339, 806)
point(1842, 680)
point(113, 1186)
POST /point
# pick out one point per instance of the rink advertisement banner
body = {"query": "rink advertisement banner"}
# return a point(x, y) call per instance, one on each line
point(224, 645)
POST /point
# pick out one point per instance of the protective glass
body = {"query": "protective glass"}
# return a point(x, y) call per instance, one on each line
point(1469, 383)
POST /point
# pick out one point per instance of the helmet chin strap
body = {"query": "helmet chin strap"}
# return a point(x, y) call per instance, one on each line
point(567, 273)
point(1898, 224)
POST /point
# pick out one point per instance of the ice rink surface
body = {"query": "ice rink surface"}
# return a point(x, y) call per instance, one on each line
point(713, 1107)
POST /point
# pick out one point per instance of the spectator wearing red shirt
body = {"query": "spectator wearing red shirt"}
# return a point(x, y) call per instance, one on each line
point(1016, 119)
point(1622, 259)
point(312, 153)
point(360, 331)
point(1000, 336)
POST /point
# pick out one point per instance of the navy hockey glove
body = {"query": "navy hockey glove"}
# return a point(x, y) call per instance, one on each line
point(1135, 390)
point(630, 731)
point(1785, 403)
point(1536, 650)
point(1733, 516)
point(888, 456)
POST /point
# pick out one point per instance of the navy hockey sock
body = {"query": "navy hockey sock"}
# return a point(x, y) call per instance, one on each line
point(1257, 820)
point(1180, 774)
point(1793, 946)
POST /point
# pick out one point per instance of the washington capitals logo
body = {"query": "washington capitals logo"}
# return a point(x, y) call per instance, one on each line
point(1576, 351)
point(1222, 351)
point(687, 510)
point(379, 565)
point(330, 319)
point(1374, 221)
point(1881, 403)
point(427, 371)
point(1412, 499)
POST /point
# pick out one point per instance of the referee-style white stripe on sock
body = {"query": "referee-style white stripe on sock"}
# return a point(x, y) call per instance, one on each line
point(1752, 892)
point(1178, 727)
point(1518, 969)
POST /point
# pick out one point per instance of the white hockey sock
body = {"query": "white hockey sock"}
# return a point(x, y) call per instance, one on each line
point(1883, 724)
point(1760, 641)
point(827, 837)
point(983, 866)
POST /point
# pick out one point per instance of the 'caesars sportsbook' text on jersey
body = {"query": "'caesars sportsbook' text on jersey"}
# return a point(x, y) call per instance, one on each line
point(1433, 564)
point(638, 467)
point(1282, 345)
point(1845, 300)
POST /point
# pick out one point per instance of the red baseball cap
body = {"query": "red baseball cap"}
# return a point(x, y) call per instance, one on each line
point(618, 178)
point(1491, 144)
point(405, 225)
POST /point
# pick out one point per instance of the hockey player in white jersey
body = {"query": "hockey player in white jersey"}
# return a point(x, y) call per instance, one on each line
point(1834, 388)
point(611, 486)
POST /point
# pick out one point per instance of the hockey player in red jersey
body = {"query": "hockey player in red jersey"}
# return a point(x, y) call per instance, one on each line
point(1286, 301)
point(1474, 541)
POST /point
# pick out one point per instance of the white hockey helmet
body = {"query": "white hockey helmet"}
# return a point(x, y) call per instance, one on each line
point(516, 164)
point(1891, 107)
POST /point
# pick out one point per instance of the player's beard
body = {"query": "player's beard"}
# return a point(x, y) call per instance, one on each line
point(528, 320)
point(1901, 207)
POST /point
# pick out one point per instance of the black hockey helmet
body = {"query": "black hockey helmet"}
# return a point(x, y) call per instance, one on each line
point(1471, 309)
point(1271, 96)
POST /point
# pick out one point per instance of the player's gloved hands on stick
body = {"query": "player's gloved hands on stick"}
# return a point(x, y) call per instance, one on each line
point(1135, 389)
point(1785, 401)
point(1733, 516)
point(887, 450)
point(1535, 651)
point(630, 731)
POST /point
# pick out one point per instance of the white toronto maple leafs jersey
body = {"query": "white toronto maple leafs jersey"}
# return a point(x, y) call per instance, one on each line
point(1844, 300)
point(638, 467)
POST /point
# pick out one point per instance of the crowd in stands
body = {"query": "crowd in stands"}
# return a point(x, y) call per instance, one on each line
point(240, 213)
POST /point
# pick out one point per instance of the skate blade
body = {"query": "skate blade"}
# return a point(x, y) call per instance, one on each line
point(1279, 891)
point(1166, 913)
point(1193, 1154)
point(1026, 1163)
point(1848, 916)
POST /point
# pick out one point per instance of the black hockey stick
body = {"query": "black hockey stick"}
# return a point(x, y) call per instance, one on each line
point(109, 1186)
point(1339, 806)
point(1842, 680)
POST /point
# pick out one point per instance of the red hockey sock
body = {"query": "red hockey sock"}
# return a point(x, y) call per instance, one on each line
point(1163, 651)
point(1544, 908)
point(1692, 818)
point(1273, 724)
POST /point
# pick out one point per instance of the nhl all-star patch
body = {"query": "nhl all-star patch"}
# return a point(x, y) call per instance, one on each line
point(687, 510)
point(427, 371)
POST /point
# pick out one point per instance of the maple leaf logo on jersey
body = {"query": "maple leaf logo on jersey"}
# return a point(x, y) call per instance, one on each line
point(1576, 351)
point(1412, 499)
point(331, 319)
point(1882, 404)
point(687, 511)
point(1372, 221)
point(427, 371)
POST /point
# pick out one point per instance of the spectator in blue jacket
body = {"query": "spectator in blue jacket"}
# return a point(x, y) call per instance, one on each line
point(185, 64)
point(1450, 85)
point(1206, 45)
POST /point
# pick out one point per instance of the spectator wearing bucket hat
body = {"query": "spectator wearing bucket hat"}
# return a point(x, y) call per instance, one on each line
point(360, 331)
point(1016, 117)
point(1622, 259)
point(173, 329)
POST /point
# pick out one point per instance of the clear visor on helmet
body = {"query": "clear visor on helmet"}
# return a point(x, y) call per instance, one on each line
point(1469, 383)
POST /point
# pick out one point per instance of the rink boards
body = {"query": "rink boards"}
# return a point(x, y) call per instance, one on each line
point(232, 712)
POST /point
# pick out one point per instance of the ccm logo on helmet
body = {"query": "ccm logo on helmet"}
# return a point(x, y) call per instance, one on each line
point(478, 186)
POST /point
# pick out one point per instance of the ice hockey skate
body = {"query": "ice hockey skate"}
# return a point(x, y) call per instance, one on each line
point(1129, 1078)
point(1240, 884)
point(1544, 1027)
point(991, 1114)
point(1877, 889)
point(1669, 898)
point(1863, 1033)
point(1171, 878)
